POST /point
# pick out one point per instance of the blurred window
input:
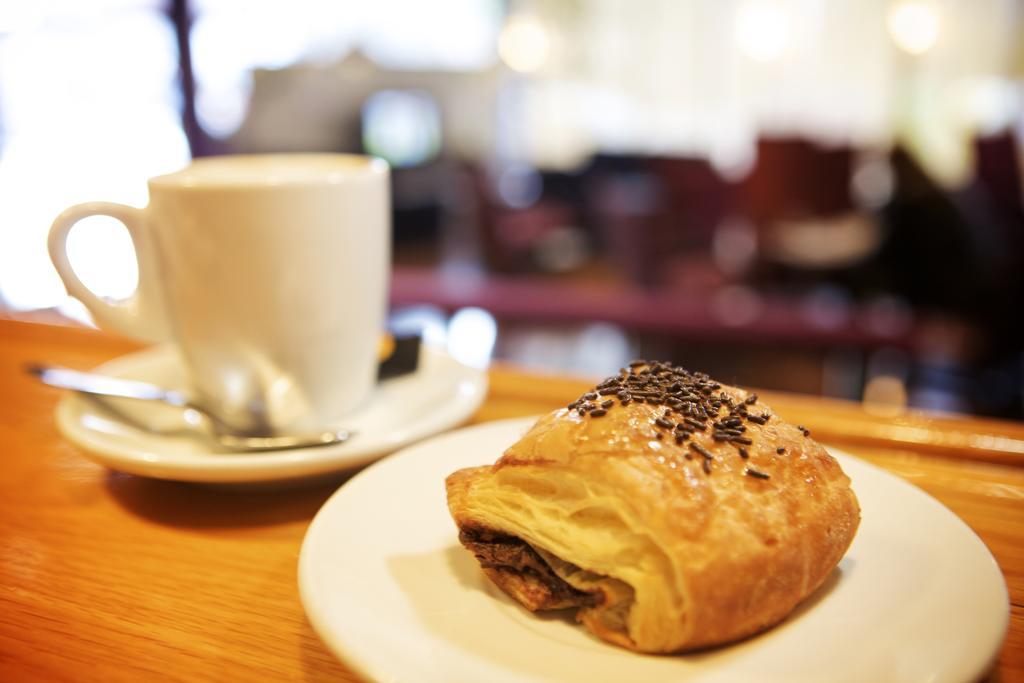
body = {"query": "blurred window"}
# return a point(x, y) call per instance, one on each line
point(90, 106)
point(231, 38)
point(88, 111)
point(402, 126)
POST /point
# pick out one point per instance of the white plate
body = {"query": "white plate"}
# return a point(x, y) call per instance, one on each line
point(388, 587)
point(439, 395)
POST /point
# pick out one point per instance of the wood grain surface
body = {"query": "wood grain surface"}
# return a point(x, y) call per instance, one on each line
point(110, 577)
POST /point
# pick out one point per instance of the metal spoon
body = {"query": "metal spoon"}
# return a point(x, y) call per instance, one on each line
point(104, 385)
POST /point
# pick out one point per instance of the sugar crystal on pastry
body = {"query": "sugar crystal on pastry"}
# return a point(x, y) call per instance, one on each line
point(683, 514)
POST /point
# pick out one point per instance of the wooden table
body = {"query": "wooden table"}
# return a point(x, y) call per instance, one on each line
point(111, 577)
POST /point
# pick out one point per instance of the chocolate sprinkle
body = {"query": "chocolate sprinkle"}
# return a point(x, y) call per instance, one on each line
point(687, 402)
point(696, 424)
point(705, 453)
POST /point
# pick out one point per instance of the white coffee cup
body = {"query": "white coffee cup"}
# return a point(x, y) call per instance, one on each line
point(268, 272)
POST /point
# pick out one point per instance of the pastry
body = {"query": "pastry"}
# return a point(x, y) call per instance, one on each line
point(671, 512)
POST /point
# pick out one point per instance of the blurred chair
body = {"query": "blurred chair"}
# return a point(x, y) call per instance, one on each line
point(811, 232)
point(794, 178)
point(528, 222)
point(649, 212)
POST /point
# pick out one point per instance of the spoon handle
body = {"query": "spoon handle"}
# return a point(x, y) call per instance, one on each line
point(103, 385)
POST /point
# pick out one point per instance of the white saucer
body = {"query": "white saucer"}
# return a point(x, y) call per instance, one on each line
point(439, 395)
point(385, 583)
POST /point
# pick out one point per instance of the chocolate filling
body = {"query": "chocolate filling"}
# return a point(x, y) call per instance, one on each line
point(503, 553)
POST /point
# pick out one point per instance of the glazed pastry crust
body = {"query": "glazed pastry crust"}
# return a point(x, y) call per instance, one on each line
point(674, 557)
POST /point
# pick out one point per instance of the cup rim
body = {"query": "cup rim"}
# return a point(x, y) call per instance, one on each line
point(273, 170)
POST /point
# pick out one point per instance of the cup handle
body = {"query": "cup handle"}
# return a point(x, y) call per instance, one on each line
point(142, 315)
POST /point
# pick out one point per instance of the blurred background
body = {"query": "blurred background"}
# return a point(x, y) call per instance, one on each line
point(821, 196)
